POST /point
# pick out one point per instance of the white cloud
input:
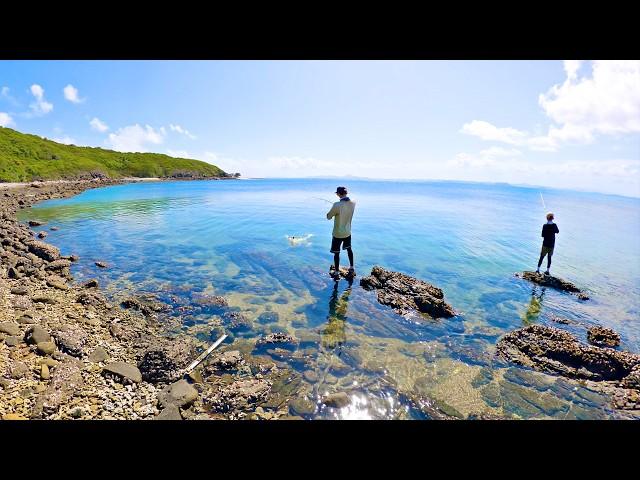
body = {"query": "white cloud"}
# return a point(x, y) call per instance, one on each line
point(71, 94)
point(134, 138)
point(607, 102)
point(40, 106)
point(183, 131)
point(4, 92)
point(5, 120)
point(66, 140)
point(180, 154)
point(98, 125)
point(299, 163)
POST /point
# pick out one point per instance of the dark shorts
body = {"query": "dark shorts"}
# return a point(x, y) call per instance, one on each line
point(335, 244)
point(546, 250)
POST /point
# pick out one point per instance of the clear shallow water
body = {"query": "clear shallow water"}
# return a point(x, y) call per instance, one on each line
point(185, 239)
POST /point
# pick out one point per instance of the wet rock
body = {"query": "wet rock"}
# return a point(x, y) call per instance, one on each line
point(603, 337)
point(71, 340)
point(147, 305)
point(169, 413)
point(165, 360)
point(123, 371)
point(239, 395)
point(268, 317)
point(180, 394)
point(225, 361)
point(20, 291)
point(278, 338)
point(35, 223)
point(36, 334)
point(336, 400)
point(99, 355)
point(406, 294)
point(54, 229)
point(102, 264)
point(44, 250)
point(65, 382)
point(93, 283)
point(301, 406)
point(236, 321)
point(552, 350)
point(560, 320)
point(552, 282)
point(633, 379)
point(210, 300)
point(310, 376)
point(59, 264)
point(42, 234)
point(10, 328)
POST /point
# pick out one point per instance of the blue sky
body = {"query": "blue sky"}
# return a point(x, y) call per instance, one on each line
point(561, 124)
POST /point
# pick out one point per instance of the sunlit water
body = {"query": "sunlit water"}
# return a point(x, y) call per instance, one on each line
point(185, 239)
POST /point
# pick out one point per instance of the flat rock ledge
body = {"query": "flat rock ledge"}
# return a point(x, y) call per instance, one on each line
point(406, 294)
point(551, 350)
point(553, 282)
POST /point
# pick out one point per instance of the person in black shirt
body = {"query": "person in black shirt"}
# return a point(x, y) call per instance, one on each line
point(549, 231)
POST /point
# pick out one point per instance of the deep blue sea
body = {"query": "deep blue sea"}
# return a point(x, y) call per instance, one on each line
point(182, 240)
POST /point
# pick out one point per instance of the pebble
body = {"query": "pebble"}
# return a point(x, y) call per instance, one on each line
point(44, 372)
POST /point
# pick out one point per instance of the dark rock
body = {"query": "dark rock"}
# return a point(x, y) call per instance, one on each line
point(101, 264)
point(35, 223)
point(146, 304)
point(36, 334)
point(93, 283)
point(552, 350)
point(236, 321)
point(336, 400)
point(165, 360)
point(240, 395)
point(633, 379)
point(42, 234)
point(54, 229)
point(301, 406)
point(552, 282)
point(603, 337)
point(180, 394)
point(123, 371)
point(405, 294)
point(210, 300)
point(268, 317)
point(44, 250)
point(91, 298)
point(278, 338)
point(99, 355)
point(20, 291)
point(169, 413)
point(14, 273)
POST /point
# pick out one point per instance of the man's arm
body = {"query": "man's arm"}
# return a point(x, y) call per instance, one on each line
point(542, 234)
point(557, 231)
point(332, 213)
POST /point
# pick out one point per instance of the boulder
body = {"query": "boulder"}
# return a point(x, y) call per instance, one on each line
point(179, 394)
point(44, 250)
point(225, 361)
point(553, 282)
point(99, 355)
point(123, 372)
point(71, 340)
point(169, 413)
point(336, 400)
point(603, 337)
point(10, 328)
point(36, 334)
point(278, 338)
point(165, 360)
point(406, 294)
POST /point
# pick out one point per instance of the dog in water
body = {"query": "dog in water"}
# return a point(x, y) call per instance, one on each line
point(299, 240)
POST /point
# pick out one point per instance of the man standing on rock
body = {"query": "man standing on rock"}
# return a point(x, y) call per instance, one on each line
point(549, 231)
point(342, 213)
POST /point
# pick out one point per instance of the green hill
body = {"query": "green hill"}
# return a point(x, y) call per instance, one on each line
point(25, 158)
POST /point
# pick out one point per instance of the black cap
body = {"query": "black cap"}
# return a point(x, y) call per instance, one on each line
point(341, 190)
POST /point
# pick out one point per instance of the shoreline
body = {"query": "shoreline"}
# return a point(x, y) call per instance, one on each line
point(67, 352)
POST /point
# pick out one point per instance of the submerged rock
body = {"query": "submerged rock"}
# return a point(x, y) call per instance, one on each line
point(553, 282)
point(276, 338)
point(240, 395)
point(336, 400)
point(405, 294)
point(555, 351)
point(225, 361)
point(603, 337)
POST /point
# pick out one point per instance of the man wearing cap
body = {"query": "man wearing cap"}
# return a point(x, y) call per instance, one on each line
point(342, 213)
point(549, 231)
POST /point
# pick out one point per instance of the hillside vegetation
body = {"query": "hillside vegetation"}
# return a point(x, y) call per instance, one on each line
point(25, 158)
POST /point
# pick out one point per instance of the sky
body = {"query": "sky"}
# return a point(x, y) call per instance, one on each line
point(563, 124)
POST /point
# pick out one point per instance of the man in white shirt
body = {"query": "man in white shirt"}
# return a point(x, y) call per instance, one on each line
point(342, 213)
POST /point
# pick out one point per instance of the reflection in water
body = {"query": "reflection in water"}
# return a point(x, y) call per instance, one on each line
point(535, 306)
point(333, 334)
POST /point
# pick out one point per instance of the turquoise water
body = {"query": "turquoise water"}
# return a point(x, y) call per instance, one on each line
point(183, 240)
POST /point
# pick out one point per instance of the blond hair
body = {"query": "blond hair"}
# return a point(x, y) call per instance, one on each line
point(550, 216)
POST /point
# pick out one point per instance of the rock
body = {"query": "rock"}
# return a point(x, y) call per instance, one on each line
point(603, 337)
point(44, 250)
point(210, 300)
point(18, 370)
point(405, 294)
point(336, 400)
point(35, 223)
point(146, 304)
point(101, 264)
point(278, 338)
point(99, 355)
point(225, 361)
point(59, 264)
point(123, 371)
point(73, 258)
point(180, 394)
point(42, 234)
point(14, 273)
point(165, 360)
point(54, 229)
point(20, 291)
point(44, 299)
point(552, 350)
point(301, 406)
point(13, 416)
point(91, 298)
point(633, 379)
point(123, 332)
point(57, 284)
point(12, 341)
point(310, 376)
point(171, 412)
point(236, 321)
point(46, 348)
point(66, 381)
point(10, 328)
point(25, 319)
point(93, 283)
point(36, 334)
point(240, 395)
point(552, 282)
point(268, 317)
point(71, 340)
point(44, 372)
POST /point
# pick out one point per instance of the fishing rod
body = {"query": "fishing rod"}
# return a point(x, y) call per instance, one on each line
point(323, 199)
point(543, 205)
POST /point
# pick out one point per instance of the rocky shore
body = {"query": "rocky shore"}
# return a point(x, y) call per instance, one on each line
point(67, 352)
point(553, 282)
